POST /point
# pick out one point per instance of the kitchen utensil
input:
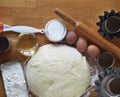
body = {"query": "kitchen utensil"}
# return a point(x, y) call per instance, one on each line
point(55, 30)
point(108, 84)
point(89, 34)
point(112, 25)
point(21, 29)
point(109, 24)
point(105, 60)
point(1, 27)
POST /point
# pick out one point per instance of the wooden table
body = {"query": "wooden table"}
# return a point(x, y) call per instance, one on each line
point(37, 13)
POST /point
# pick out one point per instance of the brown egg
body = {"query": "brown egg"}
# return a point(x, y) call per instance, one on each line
point(71, 37)
point(93, 50)
point(81, 44)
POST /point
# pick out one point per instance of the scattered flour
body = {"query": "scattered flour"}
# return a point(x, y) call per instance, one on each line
point(14, 80)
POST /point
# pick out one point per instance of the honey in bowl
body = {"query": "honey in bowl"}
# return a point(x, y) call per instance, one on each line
point(27, 43)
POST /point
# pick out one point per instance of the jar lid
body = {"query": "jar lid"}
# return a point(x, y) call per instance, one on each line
point(55, 30)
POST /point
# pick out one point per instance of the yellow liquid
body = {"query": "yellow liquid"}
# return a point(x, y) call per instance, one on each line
point(27, 44)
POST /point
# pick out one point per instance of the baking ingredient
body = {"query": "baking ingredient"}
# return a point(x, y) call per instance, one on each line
point(108, 83)
point(93, 50)
point(27, 43)
point(71, 37)
point(14, 80)
point(81, 44)
point(55, 30)
point(90, 34)
point(58, 71)
point(4, 44)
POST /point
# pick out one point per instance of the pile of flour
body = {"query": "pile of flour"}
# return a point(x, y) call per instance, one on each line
point(14, 80)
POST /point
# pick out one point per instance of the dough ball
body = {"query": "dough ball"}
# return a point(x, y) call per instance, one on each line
point(58, 71)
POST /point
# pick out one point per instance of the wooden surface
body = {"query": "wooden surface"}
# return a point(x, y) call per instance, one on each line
point(37, 13)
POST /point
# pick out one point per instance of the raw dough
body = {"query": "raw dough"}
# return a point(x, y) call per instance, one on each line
point(58, 71)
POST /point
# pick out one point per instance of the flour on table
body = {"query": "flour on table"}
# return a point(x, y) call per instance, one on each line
point(14, 80)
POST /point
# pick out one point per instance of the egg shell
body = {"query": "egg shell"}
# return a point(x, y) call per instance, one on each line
point(81, 44)
point(71, 38)
point(93, 50)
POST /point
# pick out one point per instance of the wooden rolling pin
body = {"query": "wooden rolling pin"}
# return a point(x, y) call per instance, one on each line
point(90, 34)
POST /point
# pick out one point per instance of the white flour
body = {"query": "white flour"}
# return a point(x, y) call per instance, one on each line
point(55, 30)
point(15, 84)
point(14, 80)
point(94, 77)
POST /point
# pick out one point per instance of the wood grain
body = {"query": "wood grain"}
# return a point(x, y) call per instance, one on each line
point(37, 13)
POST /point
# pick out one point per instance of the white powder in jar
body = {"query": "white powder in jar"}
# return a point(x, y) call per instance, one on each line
point(55, 30)
point(14, 80)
